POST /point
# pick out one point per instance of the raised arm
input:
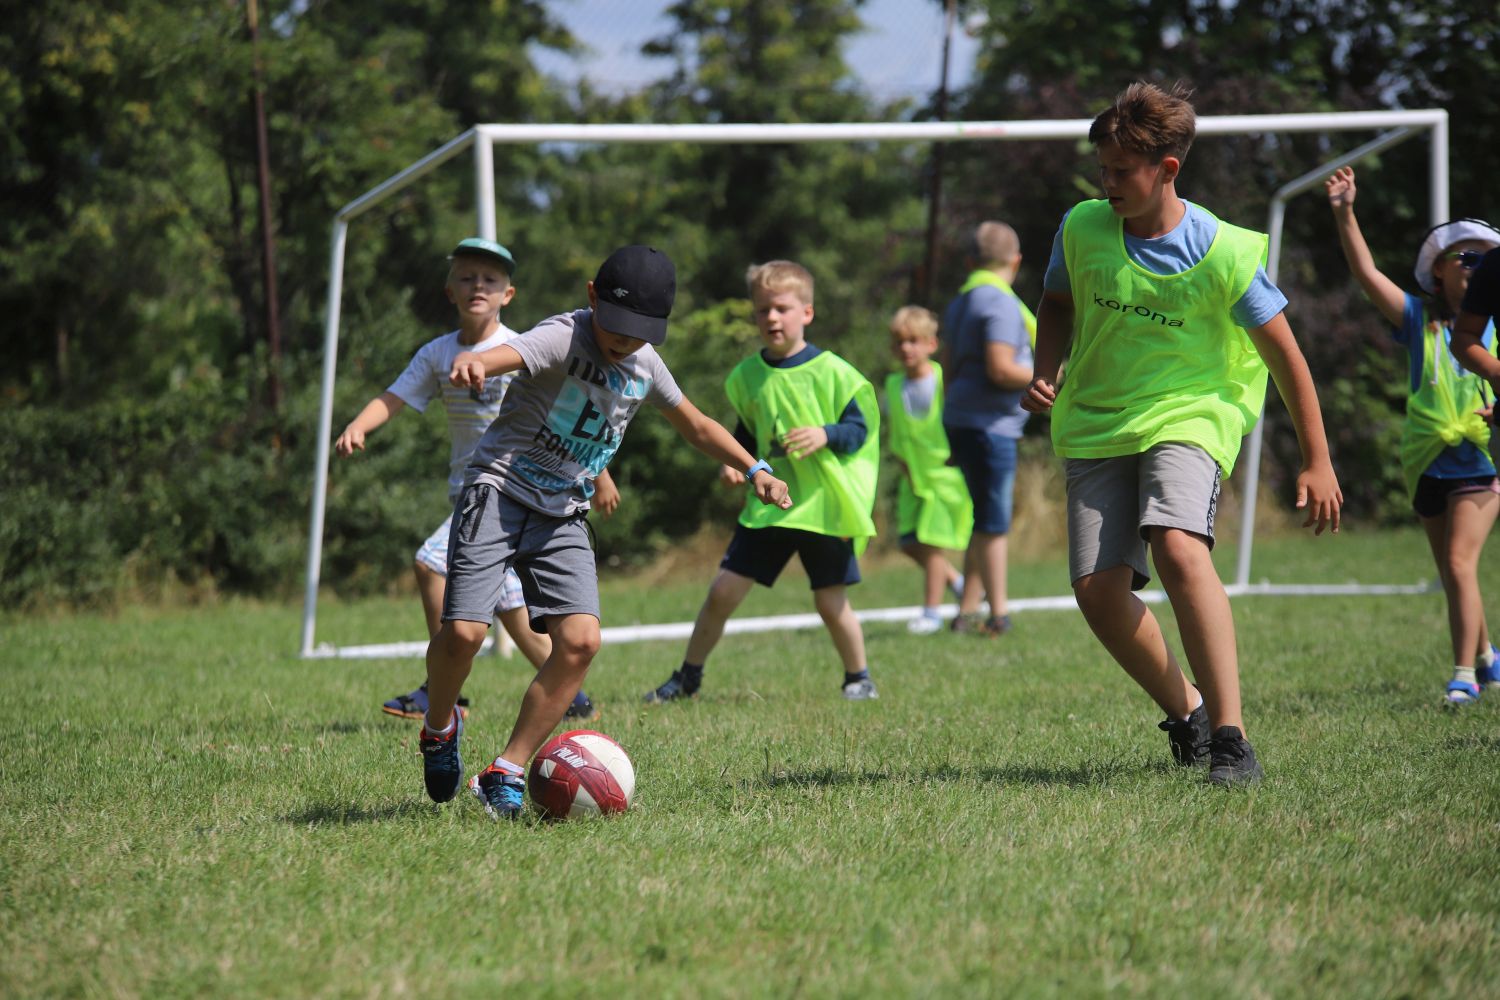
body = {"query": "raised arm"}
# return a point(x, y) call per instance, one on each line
point(376, 412)
point(1054, 330)
point(709, 436)
point(1384, 293)
point(470, 369)
point(1317, 486)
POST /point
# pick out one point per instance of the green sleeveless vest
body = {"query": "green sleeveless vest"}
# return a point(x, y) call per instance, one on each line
point(1440, 414)
point(1156, 357)
point(945, 514)
point(832, 494)
point(984, 276)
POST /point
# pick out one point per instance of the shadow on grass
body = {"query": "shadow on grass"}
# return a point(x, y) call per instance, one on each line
point(1084, 774)
point(334, 814)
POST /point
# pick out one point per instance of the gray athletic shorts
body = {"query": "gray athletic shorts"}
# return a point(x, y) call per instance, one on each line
point(553, 556)
point(1113, 501)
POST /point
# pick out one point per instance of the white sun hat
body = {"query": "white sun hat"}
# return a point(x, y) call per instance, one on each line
point(1440, 238)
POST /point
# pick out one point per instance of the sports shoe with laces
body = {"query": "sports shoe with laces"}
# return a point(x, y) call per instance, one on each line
point(676, 686)
point(1189, 737)
point(442, 767)
point(499, 791)
point(1231, 758)
point(582, 709)
point(860, 690)
point(414, 705)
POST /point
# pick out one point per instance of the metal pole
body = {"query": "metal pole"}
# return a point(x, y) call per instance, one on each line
point(935, 182)
point(484, 186)
point(325, 434)
point(1274, 228)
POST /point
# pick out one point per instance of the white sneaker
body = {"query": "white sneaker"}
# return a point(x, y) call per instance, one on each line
point(860, 690)
point(925, 624)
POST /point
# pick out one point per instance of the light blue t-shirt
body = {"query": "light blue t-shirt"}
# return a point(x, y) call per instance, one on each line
point(982, 316)
point(1466, 459)
point(1175, 252)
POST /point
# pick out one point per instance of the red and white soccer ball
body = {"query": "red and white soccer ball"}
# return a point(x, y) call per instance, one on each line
point(580, 773)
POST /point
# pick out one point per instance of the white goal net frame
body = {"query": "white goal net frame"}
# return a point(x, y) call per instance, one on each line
point(1394, 127)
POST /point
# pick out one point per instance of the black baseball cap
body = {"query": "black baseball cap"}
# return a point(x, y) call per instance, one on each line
point(634, 290)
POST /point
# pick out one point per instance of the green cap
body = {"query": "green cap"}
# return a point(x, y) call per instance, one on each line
point(477, 246)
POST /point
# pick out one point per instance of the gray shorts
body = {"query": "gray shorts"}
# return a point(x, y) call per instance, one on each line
point(553, 556)
point(1113, 501)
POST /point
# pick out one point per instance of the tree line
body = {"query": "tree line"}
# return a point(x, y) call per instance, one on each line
point(143, 439)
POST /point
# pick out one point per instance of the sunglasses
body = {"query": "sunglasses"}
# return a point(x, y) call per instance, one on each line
point(1467, 259)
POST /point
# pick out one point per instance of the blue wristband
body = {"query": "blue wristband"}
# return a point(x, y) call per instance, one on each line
point(761, 465)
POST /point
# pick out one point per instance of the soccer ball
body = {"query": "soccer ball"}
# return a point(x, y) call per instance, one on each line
point(580, 773)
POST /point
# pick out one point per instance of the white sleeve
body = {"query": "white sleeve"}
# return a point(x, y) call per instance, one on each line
point(417, 386)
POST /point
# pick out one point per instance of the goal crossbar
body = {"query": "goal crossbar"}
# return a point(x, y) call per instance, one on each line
point(481, 140)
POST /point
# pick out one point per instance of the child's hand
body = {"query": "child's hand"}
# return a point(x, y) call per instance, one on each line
point(730, 476)
point(770, 490)
point(352, 440)
point(1318, 492)
point(606, 499)
point(1340, 188)
point(800, 442)
point(1039, 396)
point(468, 371)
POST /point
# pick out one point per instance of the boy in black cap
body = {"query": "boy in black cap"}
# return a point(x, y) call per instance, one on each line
point(525, 495)
point(479, 286)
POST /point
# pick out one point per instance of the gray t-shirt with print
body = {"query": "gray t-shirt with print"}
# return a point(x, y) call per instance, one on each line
point(564, 415)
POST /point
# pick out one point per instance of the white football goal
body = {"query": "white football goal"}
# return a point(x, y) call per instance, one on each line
point(1393, 127)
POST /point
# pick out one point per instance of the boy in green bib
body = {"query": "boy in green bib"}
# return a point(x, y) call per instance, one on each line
point(812, 414)
point(1172, 324)
point(933, 509)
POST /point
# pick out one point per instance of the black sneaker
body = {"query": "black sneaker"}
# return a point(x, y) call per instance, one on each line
point(1232, 758)
point(677, 686)
point(442, 767)
point(1189, 737)
point(582, 709)
point(414, 704)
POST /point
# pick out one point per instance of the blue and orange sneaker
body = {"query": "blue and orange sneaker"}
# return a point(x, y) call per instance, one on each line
point(582, 709)
point(413, 705)
point(442, 767)
point(500, 790)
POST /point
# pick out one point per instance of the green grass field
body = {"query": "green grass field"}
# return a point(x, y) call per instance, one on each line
point(191, 810)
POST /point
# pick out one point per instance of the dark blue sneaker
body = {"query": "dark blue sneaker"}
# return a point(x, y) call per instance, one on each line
point(413, 705)
point(1231, 758)
point(677, 686)
point(1489, 677)
point(500, 791)
point(442, 767)
point(1189, 737)
point(582, 709)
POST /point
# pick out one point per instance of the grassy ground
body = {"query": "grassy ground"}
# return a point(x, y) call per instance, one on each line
point(188, 809)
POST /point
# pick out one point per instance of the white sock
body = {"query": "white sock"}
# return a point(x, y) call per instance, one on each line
point(1465, 674)
point(439, 731)
point(508, 767)
point(1194, 707)
point(1486, 657)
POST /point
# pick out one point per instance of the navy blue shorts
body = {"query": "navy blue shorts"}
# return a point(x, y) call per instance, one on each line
point(988, 462)
point(1433, 493)
point(762, 553)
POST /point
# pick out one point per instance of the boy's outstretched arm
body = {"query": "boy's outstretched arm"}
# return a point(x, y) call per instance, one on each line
point(1317, 486)
point(376, 412)
point(606, 499)
point(470, 369)
point(1384, 293)
point(710, 437)
point(1054, 329)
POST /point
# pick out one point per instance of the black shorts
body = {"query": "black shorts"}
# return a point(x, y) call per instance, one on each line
point(1433, 493)
point(762, 553)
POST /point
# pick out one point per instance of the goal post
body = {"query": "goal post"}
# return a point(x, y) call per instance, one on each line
point(481, 140)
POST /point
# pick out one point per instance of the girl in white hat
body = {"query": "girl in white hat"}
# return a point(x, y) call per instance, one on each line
point(1449, 474)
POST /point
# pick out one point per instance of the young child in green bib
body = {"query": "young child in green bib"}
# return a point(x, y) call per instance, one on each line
point(1173, 324)
point(933, 509)
point(1450, 478)
point(815, 417)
